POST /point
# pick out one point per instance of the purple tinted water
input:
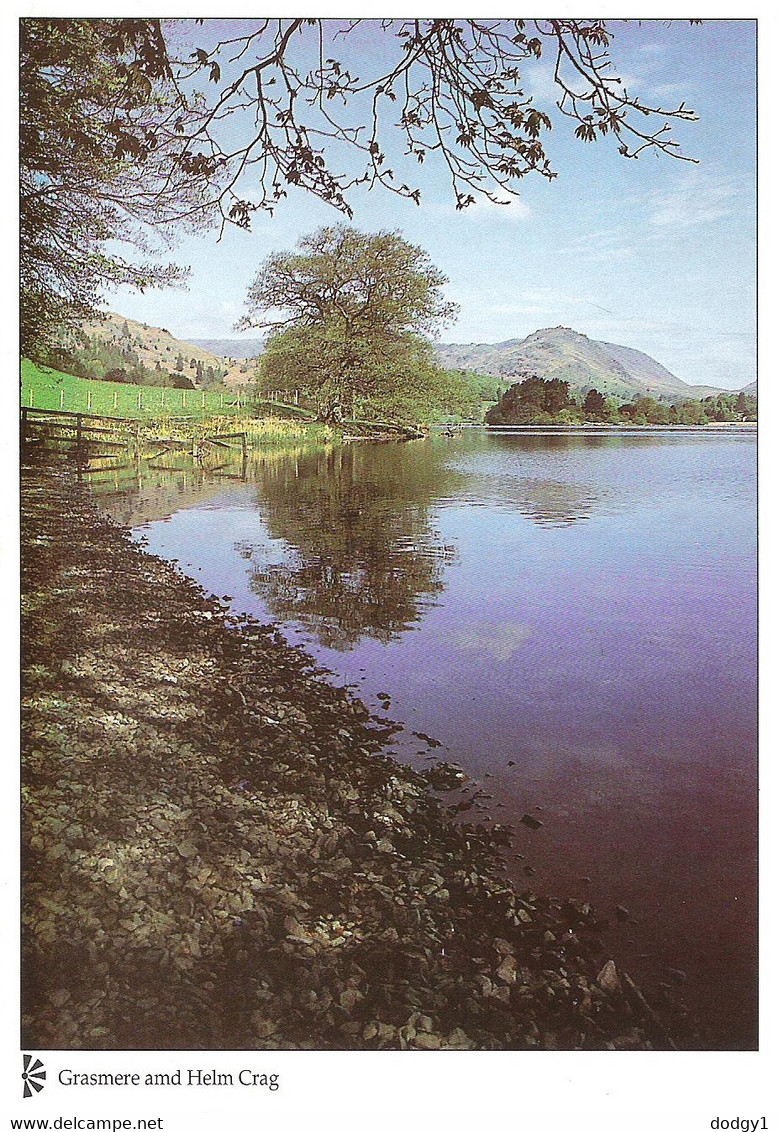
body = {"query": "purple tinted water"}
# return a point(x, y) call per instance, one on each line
point(574, 617)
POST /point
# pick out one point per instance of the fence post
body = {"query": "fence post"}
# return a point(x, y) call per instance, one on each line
point(62, 398)
point(32, 397)
point(203, 401)
point(140, 401)
point(89, 400)
point(184, 399)
point(78, 430)
point(163, 398)
point(116, 399)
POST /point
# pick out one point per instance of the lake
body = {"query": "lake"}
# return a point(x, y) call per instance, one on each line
point(573, 617)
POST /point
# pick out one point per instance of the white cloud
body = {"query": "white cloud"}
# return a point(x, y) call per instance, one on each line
point(495, 316)
point(675, 93)
point(697, 198)
point(653, 50)
point(504, 208)
point(649, 68)
point(539, 84)
point(601, 246)
point(230, 310)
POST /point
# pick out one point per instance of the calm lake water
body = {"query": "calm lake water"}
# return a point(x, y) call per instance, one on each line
point(573, 617)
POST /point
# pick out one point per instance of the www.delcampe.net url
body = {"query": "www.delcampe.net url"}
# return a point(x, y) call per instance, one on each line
point(89, 1124)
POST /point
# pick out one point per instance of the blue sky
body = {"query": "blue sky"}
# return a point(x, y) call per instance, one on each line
point(653, 253)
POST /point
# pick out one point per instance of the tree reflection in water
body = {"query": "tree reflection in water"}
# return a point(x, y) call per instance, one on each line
point(363, 557)
point(571, 496)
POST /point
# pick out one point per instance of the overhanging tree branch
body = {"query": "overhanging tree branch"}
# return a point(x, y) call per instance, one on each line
point(454, 89)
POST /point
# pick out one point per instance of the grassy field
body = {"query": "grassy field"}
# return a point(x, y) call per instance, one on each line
point(44, 388)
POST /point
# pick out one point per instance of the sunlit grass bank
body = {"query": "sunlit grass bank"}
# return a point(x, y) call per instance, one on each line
point(45, 388)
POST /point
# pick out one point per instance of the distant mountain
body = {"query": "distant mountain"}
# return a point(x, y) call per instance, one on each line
point(242, 348)
point(557, 352)
point(581, 361)
point(750, 390)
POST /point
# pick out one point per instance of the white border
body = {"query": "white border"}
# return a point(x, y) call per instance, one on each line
point(551, 1091)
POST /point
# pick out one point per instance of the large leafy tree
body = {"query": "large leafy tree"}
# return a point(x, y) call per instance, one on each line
point(104, 163)
point(347, 313)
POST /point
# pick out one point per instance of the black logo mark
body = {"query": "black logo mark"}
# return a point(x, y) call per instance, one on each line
point(33, 1075)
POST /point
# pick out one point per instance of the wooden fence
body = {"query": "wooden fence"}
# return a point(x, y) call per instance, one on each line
point(91, 435)
point(82, 431)
point(127, 400)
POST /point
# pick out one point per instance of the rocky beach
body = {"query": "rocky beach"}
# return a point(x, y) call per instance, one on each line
point(219, 853)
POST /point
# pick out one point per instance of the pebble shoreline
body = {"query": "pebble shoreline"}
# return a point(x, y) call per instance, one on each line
point(218, 853)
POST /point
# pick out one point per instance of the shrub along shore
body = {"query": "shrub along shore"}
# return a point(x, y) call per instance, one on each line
point(219, 852)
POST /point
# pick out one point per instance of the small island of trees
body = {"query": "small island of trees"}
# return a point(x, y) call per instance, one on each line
point(549, 401)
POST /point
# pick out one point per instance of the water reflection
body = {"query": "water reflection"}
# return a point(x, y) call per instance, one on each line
point(364, 559)
point(497, 640)
point(136, 491)
point(601, 670)
point(512, 472)
point(554, 503)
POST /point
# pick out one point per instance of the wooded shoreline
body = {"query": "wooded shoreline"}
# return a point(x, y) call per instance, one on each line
point(219, 852)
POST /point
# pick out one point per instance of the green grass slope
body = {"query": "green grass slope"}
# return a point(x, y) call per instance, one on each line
point(44, 388)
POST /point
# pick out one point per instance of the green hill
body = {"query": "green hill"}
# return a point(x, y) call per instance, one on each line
point(120, 348)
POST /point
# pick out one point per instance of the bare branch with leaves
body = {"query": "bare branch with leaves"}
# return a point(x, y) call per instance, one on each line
point(327, 101)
